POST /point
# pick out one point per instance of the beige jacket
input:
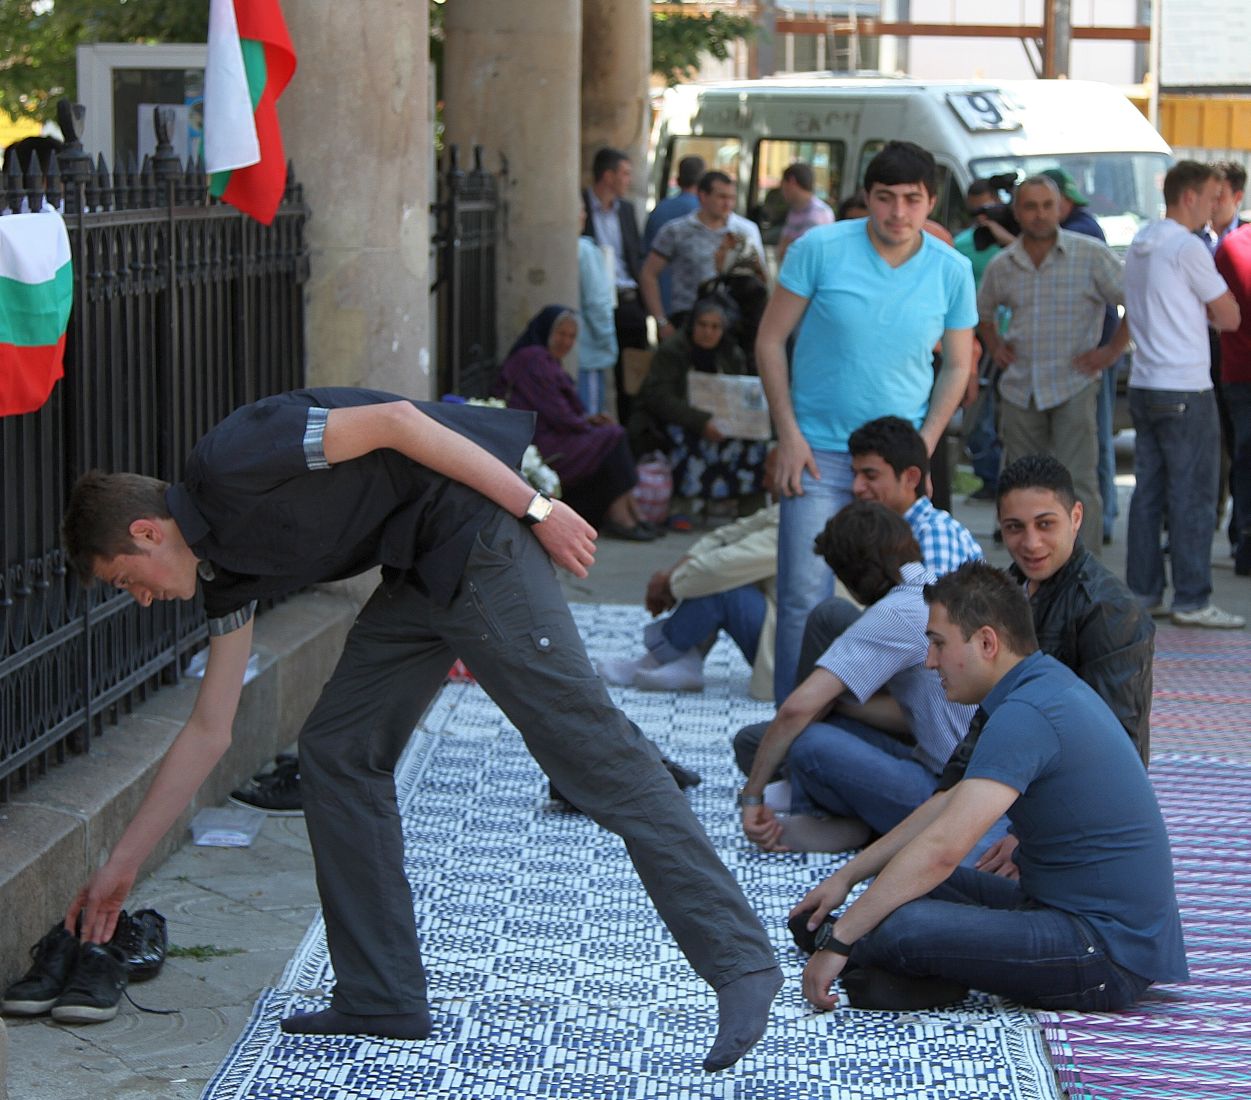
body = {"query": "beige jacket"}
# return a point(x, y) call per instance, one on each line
point(743, 552)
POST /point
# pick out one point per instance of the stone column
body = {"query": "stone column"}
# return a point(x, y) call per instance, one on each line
point(616, 74)
point(356, 123)
point(510, 84)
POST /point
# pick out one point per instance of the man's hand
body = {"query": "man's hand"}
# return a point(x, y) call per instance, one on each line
point(821, 901)
point(663, 332)
point(99, 902)
point(794, 457)
point(568, 539)
point(819, 975)
point(997, 859)
point(712, 433)
point(1004, 354)
point(659, 596)
point(1095, 361)
point(763, 828)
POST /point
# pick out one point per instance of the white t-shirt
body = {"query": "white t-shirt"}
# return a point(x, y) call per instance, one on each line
point(1169, 279)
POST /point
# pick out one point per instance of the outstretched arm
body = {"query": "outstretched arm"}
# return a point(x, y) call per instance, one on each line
point(192, 756)
point(400, 426)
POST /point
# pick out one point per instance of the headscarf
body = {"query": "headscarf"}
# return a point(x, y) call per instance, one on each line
point(705, 359)
point(539, 331)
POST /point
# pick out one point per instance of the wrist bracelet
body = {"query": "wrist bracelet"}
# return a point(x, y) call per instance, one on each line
point(741, 800)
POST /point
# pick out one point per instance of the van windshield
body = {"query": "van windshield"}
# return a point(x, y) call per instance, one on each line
point(1122, 190)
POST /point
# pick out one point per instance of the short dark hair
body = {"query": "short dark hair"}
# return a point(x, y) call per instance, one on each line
point(983, 187)
point(606, 160)
point(100, 511)
point(977, 595)
point(902, 162)
point(895, 442)
point(1037, 472)
point(800, 174)
point(866, 544)
point(707, 180)
point(1233, 173)
point(849, 203)
point(1185, 175)
point(689, 171)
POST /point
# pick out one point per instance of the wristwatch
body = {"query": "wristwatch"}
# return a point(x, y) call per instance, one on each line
point(741, 800)
point(825, 940)
point(539, 508)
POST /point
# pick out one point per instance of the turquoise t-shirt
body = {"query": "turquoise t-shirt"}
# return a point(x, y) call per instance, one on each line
point(865, 344)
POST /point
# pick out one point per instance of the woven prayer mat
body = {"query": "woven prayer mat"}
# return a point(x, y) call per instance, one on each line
point(551, 975)
point(1191, 1040)
point(1202, 692)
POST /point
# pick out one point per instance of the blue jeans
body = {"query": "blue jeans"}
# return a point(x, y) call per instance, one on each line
point(1176, 461)
point(1105, 412)
point(804, 579)
point(849, 769)
point(740, 612)
point(591, 390)
point(982, 931)
point(1238, 401)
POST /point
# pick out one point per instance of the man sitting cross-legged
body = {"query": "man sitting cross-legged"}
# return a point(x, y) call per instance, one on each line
point(878, 755)
point(1093, 921)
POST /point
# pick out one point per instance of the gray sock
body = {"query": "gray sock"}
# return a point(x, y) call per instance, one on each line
point(742, 1016)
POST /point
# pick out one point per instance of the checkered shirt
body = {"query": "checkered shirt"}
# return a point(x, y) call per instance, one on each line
point(945, 542)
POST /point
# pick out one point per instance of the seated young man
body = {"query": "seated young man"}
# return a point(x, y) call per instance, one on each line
point(889, 729)
point(890, 465)
point(1093, 920)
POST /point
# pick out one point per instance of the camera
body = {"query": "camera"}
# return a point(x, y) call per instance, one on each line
point(998, 212)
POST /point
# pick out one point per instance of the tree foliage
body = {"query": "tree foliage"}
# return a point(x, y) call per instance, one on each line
point(38, 40)
point(680, 42)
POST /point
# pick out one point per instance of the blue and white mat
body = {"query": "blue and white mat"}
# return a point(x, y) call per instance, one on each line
point(551, 975)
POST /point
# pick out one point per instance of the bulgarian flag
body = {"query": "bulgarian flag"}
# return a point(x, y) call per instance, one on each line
point(250, 62)
point(36, 292)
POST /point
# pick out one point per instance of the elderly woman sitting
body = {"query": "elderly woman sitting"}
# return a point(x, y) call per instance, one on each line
point(589, 453)
point(706, 464)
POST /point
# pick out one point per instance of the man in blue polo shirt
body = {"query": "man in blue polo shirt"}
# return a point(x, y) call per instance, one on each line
point(321, 484)
point(870, 298)
point(1093, 920)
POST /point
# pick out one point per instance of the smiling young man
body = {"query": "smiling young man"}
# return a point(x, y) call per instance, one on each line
point(321, 484)
point(1093, 920)
point(869, 298)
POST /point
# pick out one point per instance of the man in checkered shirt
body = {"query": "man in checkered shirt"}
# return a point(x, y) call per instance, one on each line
point(1056, 284)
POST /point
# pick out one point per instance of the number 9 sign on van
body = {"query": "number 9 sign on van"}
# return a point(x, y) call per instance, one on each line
point(983, 110)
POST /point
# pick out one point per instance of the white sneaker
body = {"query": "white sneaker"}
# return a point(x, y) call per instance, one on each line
point(1158, 611)
point(1211, 617)
point(684, 674)
point(620, 672)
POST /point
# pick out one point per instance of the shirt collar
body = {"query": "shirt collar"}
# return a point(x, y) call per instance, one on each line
point(920, 508)
point(1009, 681)
point(191, 523)
point(915, 573)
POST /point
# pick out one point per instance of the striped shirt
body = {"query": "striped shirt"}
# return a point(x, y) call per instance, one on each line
point(1057, 313)
point(945, 542)
point(885, 648)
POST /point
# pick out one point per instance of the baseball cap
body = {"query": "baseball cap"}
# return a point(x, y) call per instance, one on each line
point(1066, 184)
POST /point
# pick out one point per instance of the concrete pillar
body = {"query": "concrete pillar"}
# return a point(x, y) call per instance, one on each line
point(616, 74)
point(356, 123)
point(510, 84)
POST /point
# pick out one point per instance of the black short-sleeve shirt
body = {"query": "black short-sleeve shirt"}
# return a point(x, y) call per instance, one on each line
point(266, 514)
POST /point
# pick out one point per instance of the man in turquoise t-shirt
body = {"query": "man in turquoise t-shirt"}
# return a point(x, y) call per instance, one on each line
point(870, 299)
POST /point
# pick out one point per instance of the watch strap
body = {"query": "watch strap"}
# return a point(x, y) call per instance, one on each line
point(825, 940)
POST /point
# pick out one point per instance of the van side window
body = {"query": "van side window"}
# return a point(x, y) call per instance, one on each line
point(720, 154)
point(868, 151)
point(765, 204)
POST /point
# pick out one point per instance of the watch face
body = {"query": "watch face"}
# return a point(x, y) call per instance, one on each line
point(823, 935)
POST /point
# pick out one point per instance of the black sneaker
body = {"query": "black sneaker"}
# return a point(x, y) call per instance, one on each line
point(95, 987)
point(54, 958)
point(277, 793)
point(142, 940)
point(282, 760)
point(684, 777)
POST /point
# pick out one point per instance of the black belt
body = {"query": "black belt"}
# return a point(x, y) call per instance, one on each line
point(627, 294)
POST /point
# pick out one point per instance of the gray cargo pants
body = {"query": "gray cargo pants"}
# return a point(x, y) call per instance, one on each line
point(510, 624)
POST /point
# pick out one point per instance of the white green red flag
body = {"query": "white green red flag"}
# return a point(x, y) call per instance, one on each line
point(250, 62)
point(36, 292)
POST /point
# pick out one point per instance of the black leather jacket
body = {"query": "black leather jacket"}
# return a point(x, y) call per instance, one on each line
point(1086, 618)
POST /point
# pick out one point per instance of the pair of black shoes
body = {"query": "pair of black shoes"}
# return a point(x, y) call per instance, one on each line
point(83, 983)
point(276, 791)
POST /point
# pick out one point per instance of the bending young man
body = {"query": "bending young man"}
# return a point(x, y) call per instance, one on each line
point(321, 484)
point(1093, 921)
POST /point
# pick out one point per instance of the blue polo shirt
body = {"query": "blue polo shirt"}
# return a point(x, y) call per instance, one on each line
point(865, 345)
point(1092, 839)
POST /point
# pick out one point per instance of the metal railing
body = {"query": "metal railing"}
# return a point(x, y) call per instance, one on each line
point(183, 310)
point(468, 214)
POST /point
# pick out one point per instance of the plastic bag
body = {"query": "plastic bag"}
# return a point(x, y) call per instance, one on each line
point(655, 487)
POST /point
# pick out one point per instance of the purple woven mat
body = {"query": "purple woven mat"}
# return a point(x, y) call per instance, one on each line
point(1191, 1040)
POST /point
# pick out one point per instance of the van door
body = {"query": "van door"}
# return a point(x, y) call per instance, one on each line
point(771, 157)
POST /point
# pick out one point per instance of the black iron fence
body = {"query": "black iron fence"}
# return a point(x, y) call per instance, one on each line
point(468, 224)
point(183, 310)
